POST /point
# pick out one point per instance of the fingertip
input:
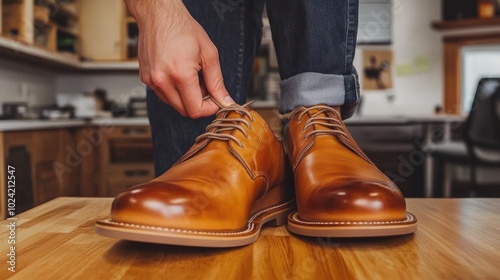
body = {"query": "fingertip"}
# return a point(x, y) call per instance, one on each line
point(228, 101)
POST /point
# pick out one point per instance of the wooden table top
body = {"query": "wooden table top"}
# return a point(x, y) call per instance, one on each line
point(456, 239)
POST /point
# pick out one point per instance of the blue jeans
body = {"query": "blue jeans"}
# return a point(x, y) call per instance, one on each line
point(315, 42)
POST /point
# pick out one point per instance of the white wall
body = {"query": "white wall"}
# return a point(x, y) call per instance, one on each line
point(413, 36)
point(119, 86)
point(21, 81)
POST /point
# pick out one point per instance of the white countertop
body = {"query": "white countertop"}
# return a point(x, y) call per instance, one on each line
point(374, 120)
point(120, 121)
point(17, 125)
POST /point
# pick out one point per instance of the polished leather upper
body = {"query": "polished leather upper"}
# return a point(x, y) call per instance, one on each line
point(334, 179)
point(216, 183)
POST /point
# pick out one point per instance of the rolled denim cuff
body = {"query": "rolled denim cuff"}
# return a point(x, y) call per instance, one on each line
point(309, 89)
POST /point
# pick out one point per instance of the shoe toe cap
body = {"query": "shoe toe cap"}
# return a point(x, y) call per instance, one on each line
point(354, 201)
point(151, 204)
point(169, 205)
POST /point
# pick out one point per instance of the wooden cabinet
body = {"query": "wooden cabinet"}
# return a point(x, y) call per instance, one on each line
point(126, 159)
point(15, 151)
point(102, 29)
point(49, 24)
point(89, 139)
point(43, 167)
point(83, 161)
point(14, 16)
point(45, 148)
point(108, 31)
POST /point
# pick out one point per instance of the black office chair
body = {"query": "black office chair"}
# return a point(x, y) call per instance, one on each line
point(481, 145)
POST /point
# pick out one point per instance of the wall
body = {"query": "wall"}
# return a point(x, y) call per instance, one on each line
point(25, 82)
point(413, 37)
point(119, 86)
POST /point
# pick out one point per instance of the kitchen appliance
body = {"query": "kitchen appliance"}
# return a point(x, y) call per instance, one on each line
point(85, 105)
point(14, 110)
point(137, 107)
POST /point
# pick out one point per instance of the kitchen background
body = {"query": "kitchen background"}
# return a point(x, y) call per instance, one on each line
point(412, 37)
point(54, 51)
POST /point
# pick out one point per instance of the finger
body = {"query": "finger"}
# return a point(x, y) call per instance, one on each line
point(170, 96)
point(188, 86)
point(212, 75)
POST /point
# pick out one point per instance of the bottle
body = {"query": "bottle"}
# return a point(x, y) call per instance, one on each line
point(486, 9)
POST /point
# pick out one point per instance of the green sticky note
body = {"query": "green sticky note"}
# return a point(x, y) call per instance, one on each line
point(422, 64)
point(405, 69)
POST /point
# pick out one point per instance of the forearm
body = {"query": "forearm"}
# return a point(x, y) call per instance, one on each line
point(144, 9)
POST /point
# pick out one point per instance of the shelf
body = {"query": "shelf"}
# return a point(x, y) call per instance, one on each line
point(16, 50)
point(466, 23)
point(110, 66)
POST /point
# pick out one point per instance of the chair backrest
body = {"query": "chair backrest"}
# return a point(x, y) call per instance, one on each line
point(482, 130)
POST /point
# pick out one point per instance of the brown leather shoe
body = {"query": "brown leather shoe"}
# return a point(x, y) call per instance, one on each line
point(219, 194)
point(339, 191)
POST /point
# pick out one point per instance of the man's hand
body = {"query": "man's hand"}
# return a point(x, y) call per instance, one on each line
point(173, 48)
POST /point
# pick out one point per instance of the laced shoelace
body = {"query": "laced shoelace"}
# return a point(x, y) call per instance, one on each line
point(320, 118)
point(222, 124)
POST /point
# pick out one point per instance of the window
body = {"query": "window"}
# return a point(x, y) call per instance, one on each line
point(375, 22)
point(477, 62)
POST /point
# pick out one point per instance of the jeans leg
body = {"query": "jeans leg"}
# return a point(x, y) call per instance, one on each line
point(315, 45)
point(235, 27)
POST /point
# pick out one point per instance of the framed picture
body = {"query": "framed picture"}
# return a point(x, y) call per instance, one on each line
point(377, 69)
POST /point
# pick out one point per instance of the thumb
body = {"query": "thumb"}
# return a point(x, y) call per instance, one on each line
point(214, 82)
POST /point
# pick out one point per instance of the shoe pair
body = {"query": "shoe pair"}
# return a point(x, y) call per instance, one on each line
point(236, 178)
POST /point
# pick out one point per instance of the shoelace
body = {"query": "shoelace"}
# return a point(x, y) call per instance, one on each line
point(333, 123)
point(222, 124)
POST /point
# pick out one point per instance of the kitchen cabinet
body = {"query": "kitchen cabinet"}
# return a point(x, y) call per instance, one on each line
point(87, 160)
point(13, 16)
point(48, 24)
point(104, 27)
point(57, 34)
point(125, 159)
point(15, 151)
point(53, 174)
point(42, 171)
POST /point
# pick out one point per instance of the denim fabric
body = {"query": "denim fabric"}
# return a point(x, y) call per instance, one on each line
point(315, 43)
point(312, 38)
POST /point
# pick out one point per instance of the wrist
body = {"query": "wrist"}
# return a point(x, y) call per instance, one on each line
point(143, 9)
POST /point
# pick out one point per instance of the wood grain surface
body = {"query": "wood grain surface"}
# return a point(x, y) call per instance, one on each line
point(456, 239)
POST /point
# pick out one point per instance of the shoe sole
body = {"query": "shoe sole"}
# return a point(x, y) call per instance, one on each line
point(171, 236)
point(352, 229)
